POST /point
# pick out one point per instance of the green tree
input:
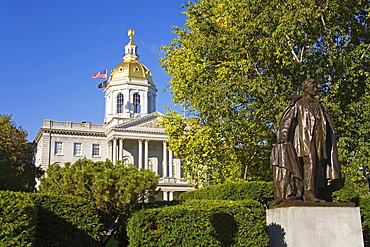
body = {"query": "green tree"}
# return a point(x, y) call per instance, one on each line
point(18, 172)
point(234, 63)
point(115, 189)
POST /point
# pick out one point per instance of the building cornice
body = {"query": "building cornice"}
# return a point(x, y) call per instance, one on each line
point(73, 133)
point(139, 131)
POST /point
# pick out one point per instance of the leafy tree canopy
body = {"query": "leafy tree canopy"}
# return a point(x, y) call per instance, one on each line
point(234, 63)
point(115, 189)
point(18, 172)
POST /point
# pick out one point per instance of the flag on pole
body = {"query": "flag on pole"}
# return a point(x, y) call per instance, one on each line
point(102, 74)
point(103, 84)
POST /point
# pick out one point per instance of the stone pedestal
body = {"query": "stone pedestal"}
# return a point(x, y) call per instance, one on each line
point(314, 225)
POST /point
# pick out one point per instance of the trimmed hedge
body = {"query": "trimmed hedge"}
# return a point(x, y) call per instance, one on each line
point(256, 190)
point(155, 204)
point(66, 221)
point(18, 215)
point(200, 223)
point(43, 220)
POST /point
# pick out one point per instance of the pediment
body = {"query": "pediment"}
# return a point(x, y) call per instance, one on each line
point(154, 123)
point(151, 121)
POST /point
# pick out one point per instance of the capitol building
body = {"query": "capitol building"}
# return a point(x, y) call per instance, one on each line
point(131, 132)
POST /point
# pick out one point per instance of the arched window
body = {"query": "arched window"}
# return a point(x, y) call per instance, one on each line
point(120, 103)
point(136, 103)
point(57, 164)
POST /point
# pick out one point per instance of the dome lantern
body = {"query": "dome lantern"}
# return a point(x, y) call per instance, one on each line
point(131, 48)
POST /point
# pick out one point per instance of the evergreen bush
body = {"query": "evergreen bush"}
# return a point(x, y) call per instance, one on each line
point(254, 190)
point(156, 204)
point(66, 221)
point(200, 223)
point(18, 214)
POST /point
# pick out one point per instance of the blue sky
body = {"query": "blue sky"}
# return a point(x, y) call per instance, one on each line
point(50, 49)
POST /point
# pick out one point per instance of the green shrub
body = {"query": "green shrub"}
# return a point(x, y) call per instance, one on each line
point(200, 223)
point(18, 215)
point(365, 218)
point(66, 221)
point(156, 204)
point(256, 190)
point(351, 192)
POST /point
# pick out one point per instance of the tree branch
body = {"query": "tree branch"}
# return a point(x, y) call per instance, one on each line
point(254, 65)
point(301, 60)
point(363, 54)
point(322, 16)
point(323, 21)
point(246, 165)
point(291, 49)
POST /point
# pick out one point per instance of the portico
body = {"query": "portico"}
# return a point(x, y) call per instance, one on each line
point(142, 157)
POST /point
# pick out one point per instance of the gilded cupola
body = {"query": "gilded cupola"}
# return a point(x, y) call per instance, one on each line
point(130, 67)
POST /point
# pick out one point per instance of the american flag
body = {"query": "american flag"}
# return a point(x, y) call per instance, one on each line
point(102, 74)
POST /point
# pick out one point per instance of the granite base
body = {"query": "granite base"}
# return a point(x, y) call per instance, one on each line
point(315, 225)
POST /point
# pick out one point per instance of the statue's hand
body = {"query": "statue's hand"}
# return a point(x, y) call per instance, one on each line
point(283, 141)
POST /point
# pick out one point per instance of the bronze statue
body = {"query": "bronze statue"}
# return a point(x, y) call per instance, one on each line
point(305, 158)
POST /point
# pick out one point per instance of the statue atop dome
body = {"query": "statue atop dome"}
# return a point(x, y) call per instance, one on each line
point(131, 34)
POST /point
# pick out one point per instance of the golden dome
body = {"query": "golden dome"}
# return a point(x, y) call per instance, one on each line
point(131, 69)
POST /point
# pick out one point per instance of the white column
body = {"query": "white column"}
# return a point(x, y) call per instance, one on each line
point(126, 95)
point(164, 162)
point(146, 154)
point(170, 196)
point(110, 155)
point(114, 151)
point(177, 165)
point(165, 196)
point(120, 150)
point(144, 104)
point(170, 161)
point(140, 159)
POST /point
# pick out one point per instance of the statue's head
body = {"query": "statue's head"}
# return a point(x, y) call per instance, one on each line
point(309, 86)
point(307, 82)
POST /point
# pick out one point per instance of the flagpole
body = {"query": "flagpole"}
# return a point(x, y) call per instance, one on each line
point(107, 73)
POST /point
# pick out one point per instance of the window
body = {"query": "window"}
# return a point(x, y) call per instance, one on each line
point(58, 148)
point(120, 103)
point(77, 149)
point(126, 161)
point(136, 103)
point(57, 164)
point(95, 150)
point(150, 98)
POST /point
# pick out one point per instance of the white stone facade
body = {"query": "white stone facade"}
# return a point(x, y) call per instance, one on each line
point(130, 132)
point(68, 133)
